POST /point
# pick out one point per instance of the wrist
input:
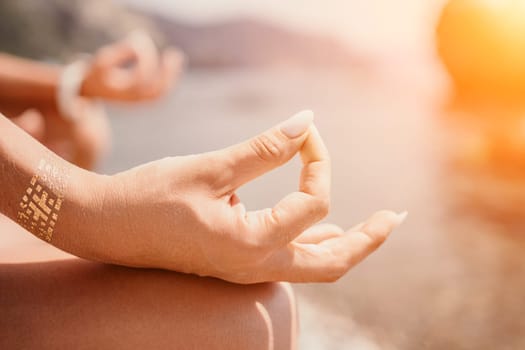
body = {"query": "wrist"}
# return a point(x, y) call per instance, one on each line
point(90, 86)
point(69, 87)
point(81, 218)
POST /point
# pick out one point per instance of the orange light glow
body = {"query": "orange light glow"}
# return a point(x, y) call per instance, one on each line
point(482, 44)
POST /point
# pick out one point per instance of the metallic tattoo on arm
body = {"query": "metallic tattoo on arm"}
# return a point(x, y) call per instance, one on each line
point(40, 205)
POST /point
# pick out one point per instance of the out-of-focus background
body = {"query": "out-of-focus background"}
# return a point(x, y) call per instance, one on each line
point(420, 103)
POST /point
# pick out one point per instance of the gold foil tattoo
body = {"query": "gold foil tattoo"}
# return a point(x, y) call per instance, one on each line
point(40, 205)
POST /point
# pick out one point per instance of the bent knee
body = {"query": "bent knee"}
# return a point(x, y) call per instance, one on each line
point(276, 324)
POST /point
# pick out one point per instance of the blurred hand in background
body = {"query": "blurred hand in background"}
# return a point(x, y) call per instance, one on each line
point(131, 70)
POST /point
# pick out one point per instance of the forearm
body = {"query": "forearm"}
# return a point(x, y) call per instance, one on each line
point(14, 108)
point(26, 80)
point(39, 190)
point(19, 157)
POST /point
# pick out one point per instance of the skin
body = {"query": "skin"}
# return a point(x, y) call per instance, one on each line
point(182, 213)
point(149, 75)
point(163, 315)
point(131, 70)
point(83, 142)
point(178, 214)
point(139, 309)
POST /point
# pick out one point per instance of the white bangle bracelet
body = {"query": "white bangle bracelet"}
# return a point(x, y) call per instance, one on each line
point(69, 86)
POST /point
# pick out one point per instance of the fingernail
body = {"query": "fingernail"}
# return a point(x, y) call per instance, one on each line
point(137, 36)
point(140, 40)
point(384, 221)
point(401, 217)
point(298, 124)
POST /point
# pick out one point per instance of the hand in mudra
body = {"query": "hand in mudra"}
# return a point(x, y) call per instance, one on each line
point(183, 214)
point(149, 73)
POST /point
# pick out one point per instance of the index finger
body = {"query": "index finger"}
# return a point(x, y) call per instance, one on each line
point(114, 55)
point(146, 54)
point(298, 210)
point(138, 48)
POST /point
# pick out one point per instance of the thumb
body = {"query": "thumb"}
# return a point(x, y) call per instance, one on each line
point(252, 158)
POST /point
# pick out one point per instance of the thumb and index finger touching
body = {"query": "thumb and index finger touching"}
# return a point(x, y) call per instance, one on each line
point(139, 48)
point(250, 159)
point(298, 210)
point(301, 252)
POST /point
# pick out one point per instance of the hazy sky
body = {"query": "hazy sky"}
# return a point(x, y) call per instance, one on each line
point(375, 25)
